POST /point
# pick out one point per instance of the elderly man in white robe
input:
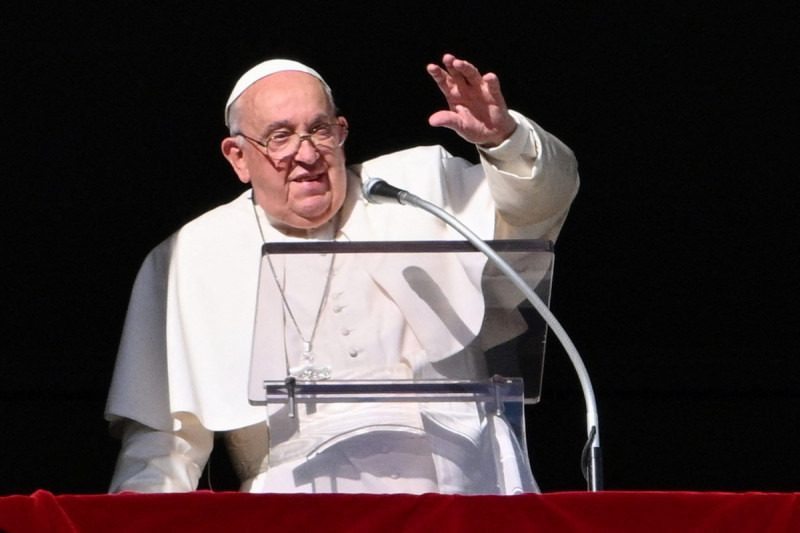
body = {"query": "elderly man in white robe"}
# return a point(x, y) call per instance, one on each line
point(184, 362)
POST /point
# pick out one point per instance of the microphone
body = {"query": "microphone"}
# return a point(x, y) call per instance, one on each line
point(377, 191)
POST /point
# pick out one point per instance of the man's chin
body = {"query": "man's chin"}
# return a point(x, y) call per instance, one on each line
point(313, 217)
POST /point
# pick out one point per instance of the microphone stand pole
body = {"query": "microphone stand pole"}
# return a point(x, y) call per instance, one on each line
point(591, 460)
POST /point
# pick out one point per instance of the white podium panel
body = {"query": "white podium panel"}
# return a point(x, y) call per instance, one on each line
point(398, 366)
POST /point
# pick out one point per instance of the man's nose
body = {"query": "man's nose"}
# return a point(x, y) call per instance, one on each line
point(306, 151)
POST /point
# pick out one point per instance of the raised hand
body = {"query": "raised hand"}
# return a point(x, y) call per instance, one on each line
point(478, 111)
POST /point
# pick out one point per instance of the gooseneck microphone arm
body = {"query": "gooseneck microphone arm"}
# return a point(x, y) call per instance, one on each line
point(376, 190)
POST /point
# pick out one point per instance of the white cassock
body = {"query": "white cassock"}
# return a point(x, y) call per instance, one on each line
point(184, 362)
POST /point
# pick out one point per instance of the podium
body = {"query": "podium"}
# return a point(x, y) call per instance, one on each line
point(421, 358)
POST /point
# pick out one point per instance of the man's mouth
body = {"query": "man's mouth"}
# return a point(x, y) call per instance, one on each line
point(313, 177)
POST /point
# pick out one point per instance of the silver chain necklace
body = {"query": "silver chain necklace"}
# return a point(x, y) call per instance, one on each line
point(307, 370)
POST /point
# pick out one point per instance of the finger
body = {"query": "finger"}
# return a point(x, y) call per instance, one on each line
point(441, 77)
point(449, 61)
point(493, 87)
point(437, 73)
point(445, 119)
point(468, 71)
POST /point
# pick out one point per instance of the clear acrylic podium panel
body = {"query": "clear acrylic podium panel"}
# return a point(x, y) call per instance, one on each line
point(481, 345)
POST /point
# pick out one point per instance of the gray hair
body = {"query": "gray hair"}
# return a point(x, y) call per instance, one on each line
point(233, 111)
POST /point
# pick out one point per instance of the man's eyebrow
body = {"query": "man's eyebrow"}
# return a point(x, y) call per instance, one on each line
point(272, 126)
point(278, 124)
point(321, 117)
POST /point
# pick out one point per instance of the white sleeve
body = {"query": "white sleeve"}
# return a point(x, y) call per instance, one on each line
point(533, 178)
point(159, 461)
point(516, 155)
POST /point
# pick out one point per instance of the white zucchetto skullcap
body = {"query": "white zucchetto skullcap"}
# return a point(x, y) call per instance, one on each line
point(262, 70)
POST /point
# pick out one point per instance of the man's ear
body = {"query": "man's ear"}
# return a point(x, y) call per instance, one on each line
point(235, 156)
point(343, 121)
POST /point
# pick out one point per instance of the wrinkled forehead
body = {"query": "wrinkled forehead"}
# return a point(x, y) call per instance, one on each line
point(265, 69)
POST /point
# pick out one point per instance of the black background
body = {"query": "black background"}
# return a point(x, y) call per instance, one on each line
point(676, 269)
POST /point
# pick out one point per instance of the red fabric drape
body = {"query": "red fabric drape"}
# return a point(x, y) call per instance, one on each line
point(650, 512)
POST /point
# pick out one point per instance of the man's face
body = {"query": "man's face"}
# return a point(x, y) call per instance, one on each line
point(303, 190)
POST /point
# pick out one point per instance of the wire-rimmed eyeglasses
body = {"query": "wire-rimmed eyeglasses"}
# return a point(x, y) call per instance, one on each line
point(281, 144)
